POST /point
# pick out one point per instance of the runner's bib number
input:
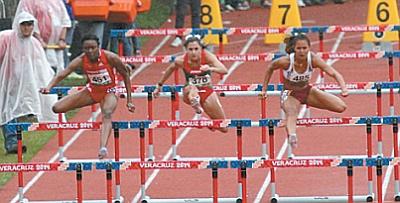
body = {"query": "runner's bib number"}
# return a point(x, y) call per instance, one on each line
point(100, 78)
point(200, 80)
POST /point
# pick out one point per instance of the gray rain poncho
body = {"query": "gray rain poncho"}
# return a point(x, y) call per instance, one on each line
point(23, 70)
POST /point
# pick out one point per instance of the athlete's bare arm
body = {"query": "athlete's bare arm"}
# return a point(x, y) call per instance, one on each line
point(214, 64)
point(178, 63)
point(116, 62)
point(281, 63)
point(75, 64)
point(317, 62)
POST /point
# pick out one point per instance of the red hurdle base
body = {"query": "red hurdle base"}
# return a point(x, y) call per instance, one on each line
point(360, 198)
point(121, 200)
point(201, 200)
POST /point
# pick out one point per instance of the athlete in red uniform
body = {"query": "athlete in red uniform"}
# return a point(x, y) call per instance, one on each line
point(297, 69)
point(197, 65)
point(98, 66)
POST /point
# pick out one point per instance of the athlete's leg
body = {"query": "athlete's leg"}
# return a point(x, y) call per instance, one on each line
point(323, 100)
point(191, 97)
point(76, 100)
point(291, 107)
point(213, 108)
point(107, 105)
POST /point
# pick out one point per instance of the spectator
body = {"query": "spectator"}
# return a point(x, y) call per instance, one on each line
point(53, 23)
point(266, 3)
point(70, 32)
point(23, 70)
point(243, 5)
point(131, 44)
point(181, 6)
point(230, 5)
point(320, 2)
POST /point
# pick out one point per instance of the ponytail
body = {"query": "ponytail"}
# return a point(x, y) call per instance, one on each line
point(291, 40)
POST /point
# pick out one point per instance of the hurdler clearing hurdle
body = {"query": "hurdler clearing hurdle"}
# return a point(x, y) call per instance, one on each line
point(197, 65)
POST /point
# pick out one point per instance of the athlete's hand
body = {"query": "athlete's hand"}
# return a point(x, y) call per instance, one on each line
point(262, 95)
point(131, 106)
point(44, 90)
point(156, 92)
point(345, 92)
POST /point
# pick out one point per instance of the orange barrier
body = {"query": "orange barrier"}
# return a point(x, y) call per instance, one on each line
point(91, 10)
point(123, 11)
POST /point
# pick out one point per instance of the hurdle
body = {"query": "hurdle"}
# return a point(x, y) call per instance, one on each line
point(349, 121)
point(20, 127)
point(141, 125)
point(215, 165)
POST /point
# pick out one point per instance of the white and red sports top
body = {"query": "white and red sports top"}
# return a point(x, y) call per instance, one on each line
point(293, 76)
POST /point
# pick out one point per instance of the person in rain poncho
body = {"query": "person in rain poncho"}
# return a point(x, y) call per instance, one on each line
point(52, 28)
point(23, 70)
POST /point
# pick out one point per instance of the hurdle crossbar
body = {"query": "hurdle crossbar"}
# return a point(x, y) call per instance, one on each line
point(120, 200)
point(265, 57)
point(229, 123)
point(185, 200)
point(253, 30)
point(239, 87)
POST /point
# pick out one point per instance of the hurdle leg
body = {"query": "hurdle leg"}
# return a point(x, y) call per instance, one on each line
point(379, 113)
point(93, 110)
point(214, 172)
point(173, 130)
point(60, 134)
point(369, 155)
point(244, 181)
point(20, 174)
point(272, 156)
point(150, 113)
point(396, 155)
point(379, 179)
point(109, 183)
point(240, 157)
point(79, 188)
point(391, 94)
point(263, 129)
point(142, 157)
point(117, 156)
point(350, 192)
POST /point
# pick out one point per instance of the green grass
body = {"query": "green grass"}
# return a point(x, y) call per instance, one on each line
point(161, 10)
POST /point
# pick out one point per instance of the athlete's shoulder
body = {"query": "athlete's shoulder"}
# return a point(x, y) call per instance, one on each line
point(282, 61)
point(179, 60)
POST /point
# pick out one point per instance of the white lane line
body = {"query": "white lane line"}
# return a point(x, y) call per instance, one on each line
point(187, 130)
point(267, 180)
point(79, 133)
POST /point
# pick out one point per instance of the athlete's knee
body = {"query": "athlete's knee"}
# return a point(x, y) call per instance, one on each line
point(223, 130)
point(341, 108)
point(57, 109)
point(107, 113)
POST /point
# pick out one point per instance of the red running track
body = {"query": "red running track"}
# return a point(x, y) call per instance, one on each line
point(202, 143)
